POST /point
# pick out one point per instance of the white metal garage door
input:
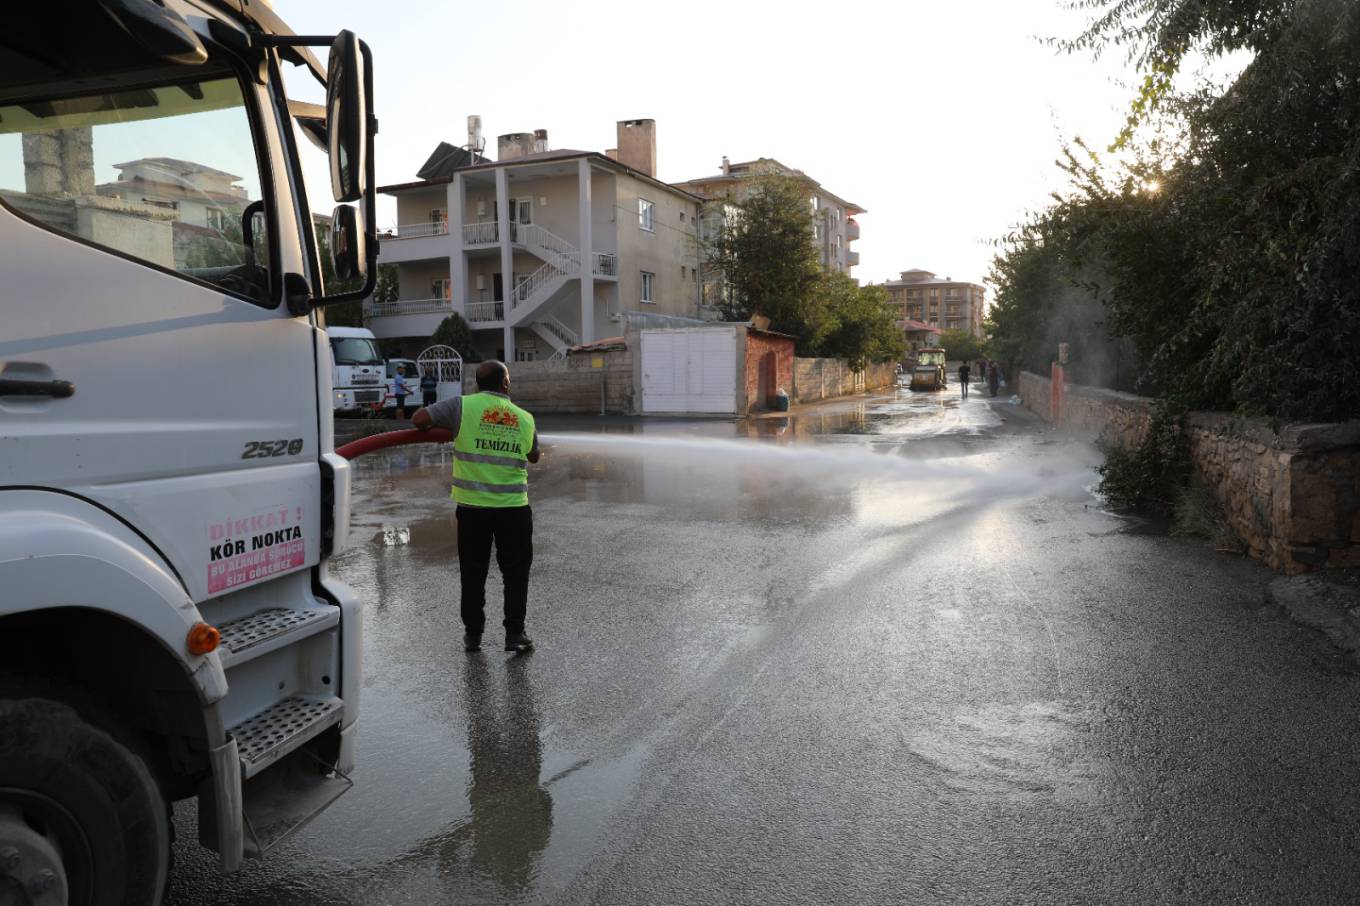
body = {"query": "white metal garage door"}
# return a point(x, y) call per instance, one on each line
point(693, 369)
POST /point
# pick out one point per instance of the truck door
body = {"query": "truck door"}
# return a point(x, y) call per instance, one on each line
point(147, 362)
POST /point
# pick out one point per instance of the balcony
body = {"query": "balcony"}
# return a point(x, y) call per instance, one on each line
point(606, 265)
point(415, 230)
point(851, 259)
point(414, 242)
point(486, 233)
point(851, 230)
point(406, 317)
point(485, 312)
point(407, 307)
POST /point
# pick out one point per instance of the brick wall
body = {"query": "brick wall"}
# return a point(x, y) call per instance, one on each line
point(757, 345)
point(1291, 495)
point(570, 385)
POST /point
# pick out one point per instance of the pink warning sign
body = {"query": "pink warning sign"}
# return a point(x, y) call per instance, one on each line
point(272, 544)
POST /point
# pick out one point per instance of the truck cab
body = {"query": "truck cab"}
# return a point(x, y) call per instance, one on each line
point(359, 371)
point(929, 371)
point(169, 493)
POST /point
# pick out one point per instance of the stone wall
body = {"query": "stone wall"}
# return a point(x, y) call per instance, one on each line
point(570, 385)
point(820, 379)
point(1291, 495)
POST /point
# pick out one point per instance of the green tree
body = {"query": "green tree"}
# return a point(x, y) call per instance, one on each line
point(763, 250)
point(454, 331)
point(858, 324)
point(961, 345)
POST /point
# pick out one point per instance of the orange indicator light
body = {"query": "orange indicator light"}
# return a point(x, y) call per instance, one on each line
point(202, 638)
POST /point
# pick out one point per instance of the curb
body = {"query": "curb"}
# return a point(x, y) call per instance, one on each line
point(1330, 607)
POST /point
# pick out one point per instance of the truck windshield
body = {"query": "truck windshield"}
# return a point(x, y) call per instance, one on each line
point(162, 173)
point(355, 351)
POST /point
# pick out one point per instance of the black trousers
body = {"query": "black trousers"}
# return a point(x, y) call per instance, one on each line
point(511, 529)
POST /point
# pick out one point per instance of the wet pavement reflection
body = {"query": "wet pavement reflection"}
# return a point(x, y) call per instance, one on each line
point(888, 649)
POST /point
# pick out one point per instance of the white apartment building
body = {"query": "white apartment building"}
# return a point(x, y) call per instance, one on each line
point(539, 250)
point(833, 218)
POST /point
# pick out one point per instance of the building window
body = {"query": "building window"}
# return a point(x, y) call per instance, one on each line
point(525, 355)
point(838, 242)
point(648, 287)
point(815, 204)
point(684, 272)
point(645, 214)
point(817, 231)
point(682, 216)
point(217, 219)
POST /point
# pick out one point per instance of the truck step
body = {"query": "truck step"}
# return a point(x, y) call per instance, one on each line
point(265, 630)
point(281, 728)
point(287, 796)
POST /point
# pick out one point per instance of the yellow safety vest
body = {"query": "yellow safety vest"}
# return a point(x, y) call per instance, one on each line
point(491, 453)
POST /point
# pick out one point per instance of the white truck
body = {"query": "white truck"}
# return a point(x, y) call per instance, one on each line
point(358, 374)
point(169, 494)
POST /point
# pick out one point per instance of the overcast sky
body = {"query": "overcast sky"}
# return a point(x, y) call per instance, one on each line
point(943, 119)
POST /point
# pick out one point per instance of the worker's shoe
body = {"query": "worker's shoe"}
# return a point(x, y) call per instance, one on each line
point(518, 641)
point(472, 641)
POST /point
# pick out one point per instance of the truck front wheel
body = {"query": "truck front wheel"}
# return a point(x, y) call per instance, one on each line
point(82, 821)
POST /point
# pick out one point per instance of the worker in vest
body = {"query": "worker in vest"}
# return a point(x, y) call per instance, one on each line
point(493, 441)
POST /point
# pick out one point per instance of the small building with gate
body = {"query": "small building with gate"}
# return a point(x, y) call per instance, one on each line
point(718, 369)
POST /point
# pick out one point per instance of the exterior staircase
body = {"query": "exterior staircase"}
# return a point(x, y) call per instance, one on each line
point(561, 263)
point(558, 335)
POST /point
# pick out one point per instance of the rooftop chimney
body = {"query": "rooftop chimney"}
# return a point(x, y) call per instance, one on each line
point(513, 145)
point(540, 141)
point(637, 145)
point(476, 143)
point(612, 153)
point(726, 166)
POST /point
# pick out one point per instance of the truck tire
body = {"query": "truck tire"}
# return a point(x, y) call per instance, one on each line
point(72, 782)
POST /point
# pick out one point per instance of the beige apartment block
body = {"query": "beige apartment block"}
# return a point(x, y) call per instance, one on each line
point(833, 218)
point(539, 250)
point(941, 303)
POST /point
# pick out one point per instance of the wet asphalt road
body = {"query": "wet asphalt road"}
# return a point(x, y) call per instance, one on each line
point(942, 675)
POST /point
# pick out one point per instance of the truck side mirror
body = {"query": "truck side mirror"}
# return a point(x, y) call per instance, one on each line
point(349, 251)
point(347, 118)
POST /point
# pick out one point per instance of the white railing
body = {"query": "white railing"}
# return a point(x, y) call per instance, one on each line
point(564, 333)
point(415, 230)
point(558, 266)
point(485, 311)
point(534, 236)
point(481, 233)
point(407, 307)
point(606, 265)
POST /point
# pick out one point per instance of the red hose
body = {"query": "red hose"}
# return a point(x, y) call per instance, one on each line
point(393, 439)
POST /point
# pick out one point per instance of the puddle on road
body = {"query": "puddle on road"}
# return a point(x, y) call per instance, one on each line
point(457, 797)
point(1033, 748)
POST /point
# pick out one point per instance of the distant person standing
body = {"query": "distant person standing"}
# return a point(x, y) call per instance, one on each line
point(429, 388)
point(964, 371)
point(993, 378)
point(493, 442)
point(400, 390)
